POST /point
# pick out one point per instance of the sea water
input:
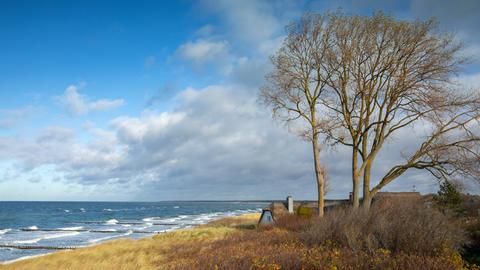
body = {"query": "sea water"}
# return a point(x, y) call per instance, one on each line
point(51, 225)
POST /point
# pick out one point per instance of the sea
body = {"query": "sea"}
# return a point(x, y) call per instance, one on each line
point(29, 229)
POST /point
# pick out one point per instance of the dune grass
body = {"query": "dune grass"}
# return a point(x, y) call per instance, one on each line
point(148, 253)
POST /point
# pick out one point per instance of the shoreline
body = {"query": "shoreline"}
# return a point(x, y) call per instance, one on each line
point(121, 238)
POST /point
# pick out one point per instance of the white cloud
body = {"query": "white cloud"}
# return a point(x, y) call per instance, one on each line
point(201, 50)
point(249, 21)
point(205, 31)
point(12, 117)
point(55, 134)
point(78, 104)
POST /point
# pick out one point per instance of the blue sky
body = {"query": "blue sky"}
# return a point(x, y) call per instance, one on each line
point(156, 100)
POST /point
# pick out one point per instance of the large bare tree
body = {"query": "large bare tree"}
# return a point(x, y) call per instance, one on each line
point(386, 76)
point(296, 84)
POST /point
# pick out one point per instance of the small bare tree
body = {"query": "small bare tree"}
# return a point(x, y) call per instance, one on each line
point(297, 83)
point(387, 75)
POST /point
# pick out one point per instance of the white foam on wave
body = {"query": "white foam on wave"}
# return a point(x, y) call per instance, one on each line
point(151, 219)
point(4, 231)
point(71, 228)
point(108, 210)
point(204, 217)
point(29, 241)
point(111, 221)
point(170, 219)
point(176, 207)
point(45, 237)
point(109, 237)
point(66, 211)
point(50, 236)
point(82, 210)
point(60, 235)
point(148, 226)
point(33, 228)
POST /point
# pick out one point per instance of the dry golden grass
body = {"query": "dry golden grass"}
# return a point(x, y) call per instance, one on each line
point(125, 254)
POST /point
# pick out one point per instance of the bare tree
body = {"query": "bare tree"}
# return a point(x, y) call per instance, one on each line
point(297, 83)
point(387, 75)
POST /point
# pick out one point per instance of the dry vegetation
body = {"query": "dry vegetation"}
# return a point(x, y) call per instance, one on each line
point(389, 236)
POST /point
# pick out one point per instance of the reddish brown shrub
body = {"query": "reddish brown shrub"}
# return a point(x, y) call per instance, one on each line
point(292, 222)
point(280, 249)
point(407, 227)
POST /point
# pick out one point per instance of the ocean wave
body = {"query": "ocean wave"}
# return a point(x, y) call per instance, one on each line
point(145, 227)
point(111, 222)
point(30, 241)
point(4, 231)
point(66, 211)
point(109, 230)
point(60, 235)
point(46, 237)
point(198, 218)
point(122, 209)
point(33, 228)
point(170, 219)
point(82, 210)
point(96, 240)
point(71, 228)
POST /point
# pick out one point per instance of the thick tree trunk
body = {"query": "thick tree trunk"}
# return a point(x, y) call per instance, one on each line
point(321, 196)
point(367, 201)
point(319, 175)
point(355, 180)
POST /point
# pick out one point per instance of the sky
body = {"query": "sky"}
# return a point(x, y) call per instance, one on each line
point(158, 100)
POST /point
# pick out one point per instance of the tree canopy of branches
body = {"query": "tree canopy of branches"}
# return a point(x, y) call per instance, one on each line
point(376, 76)
point(296, 84)
point(390, 75)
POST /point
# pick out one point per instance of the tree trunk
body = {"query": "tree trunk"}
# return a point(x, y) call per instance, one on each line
point(355, 180)
point(367, 201)
point(367, 196)
point(321, 196)
point(319, 175)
